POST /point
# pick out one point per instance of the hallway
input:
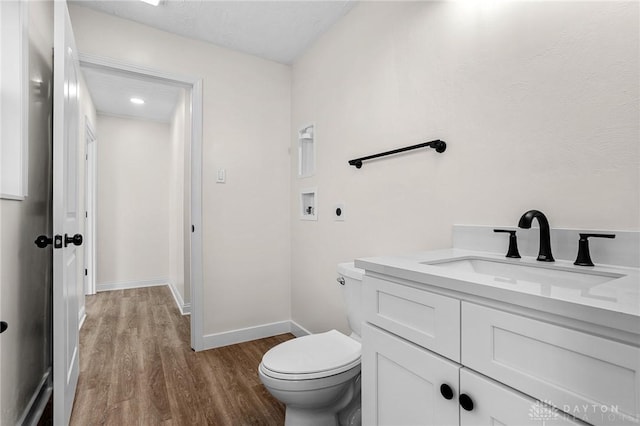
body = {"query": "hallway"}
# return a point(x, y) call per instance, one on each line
point(136, 367)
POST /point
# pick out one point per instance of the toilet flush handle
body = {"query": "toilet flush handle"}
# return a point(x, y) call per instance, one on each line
point(340, 280)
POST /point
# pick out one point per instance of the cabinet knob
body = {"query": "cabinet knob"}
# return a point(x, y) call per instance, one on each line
point(446, 391)
point(466, 402)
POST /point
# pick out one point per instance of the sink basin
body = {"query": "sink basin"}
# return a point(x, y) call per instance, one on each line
point(514, 273)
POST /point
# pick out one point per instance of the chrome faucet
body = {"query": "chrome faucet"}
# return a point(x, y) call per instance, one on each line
point(544, 254)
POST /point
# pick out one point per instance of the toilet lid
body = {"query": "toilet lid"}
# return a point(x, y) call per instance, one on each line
point(312, 354)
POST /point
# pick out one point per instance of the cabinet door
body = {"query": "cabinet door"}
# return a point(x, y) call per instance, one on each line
point(496, 404)
point(589, 377)
point(401, 382)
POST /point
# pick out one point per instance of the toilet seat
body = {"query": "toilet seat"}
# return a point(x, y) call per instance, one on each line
point(312, 357)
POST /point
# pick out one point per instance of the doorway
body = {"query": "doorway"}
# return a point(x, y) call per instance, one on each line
point(90, 213)
point(192, 217)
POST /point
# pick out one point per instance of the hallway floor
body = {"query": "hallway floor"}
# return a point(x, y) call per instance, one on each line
point(137, 368)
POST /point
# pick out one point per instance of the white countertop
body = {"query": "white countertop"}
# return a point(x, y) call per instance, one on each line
point(614, 304)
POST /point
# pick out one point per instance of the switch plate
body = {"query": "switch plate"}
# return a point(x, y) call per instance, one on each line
point(221, 177)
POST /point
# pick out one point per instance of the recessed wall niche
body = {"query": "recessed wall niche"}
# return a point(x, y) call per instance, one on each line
point(309, 204)
point(306, 151)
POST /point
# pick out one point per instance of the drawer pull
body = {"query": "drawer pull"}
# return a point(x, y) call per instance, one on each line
point(466, 402)
point(446, 391)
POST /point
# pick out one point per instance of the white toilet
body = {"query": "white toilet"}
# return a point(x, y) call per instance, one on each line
point(317, 377)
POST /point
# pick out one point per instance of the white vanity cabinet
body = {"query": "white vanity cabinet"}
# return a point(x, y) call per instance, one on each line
point(401, 386)
point(414, 341)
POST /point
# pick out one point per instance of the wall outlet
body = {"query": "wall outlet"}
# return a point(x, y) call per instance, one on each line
point(339, 212)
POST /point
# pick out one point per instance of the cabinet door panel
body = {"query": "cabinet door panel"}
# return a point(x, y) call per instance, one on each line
point(592, 378)
point(430, 320)
point(401, 383)
point(496, 404)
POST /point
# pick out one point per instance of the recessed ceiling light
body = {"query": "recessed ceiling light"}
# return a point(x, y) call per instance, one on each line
point(137, 101)
point(152, 2)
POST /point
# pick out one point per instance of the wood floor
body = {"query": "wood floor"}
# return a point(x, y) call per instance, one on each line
point(137, 368)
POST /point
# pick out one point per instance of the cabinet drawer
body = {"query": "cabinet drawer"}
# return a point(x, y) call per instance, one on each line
point(594, 379)
point(427, 319)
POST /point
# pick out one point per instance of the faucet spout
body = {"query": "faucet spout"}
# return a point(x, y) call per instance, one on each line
point(544, 254)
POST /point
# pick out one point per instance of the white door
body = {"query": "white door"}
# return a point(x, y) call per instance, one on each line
point(65, 216)
point(402, 384)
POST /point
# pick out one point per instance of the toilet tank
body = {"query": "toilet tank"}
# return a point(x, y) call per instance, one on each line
point(352, 293)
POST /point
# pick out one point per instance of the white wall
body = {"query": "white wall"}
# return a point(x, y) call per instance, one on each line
point(87, 113)
point(246, 130)
point(538, 102)
point(25, 270)
point(179, 140)
point(186, 200)
point(132, 201)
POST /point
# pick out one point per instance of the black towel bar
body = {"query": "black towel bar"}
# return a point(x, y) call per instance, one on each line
point(438, 145)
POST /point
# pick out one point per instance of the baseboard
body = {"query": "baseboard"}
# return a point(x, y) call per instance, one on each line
point(185, 308)
point(35, 407)
point(298, 330)
point(82, 315)
point(211, 341)
point(125, 285)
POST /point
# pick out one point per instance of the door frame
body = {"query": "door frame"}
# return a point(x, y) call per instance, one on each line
point(194, 86)
point(91, 183)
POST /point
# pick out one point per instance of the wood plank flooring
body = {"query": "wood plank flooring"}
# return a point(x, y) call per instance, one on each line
point(137, 368)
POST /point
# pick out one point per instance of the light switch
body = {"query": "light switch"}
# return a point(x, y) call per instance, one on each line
point(222, 176)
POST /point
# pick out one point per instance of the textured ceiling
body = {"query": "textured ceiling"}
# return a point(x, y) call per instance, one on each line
point(111, 93)
point(274, 30)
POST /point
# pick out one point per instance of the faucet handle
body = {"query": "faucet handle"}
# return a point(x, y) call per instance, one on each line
point(584, 257)
point(513, 243)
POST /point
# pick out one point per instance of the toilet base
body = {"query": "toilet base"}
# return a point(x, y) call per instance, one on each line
point(344, 412)
point(304, 417)
point(351, 415)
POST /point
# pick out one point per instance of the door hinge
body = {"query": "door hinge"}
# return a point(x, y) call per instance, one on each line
point(193, 228)
point(86, 214)
point(86, 272)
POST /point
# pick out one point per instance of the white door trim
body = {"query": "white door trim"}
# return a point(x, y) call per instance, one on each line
point(194, 84)
point(91, 182)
